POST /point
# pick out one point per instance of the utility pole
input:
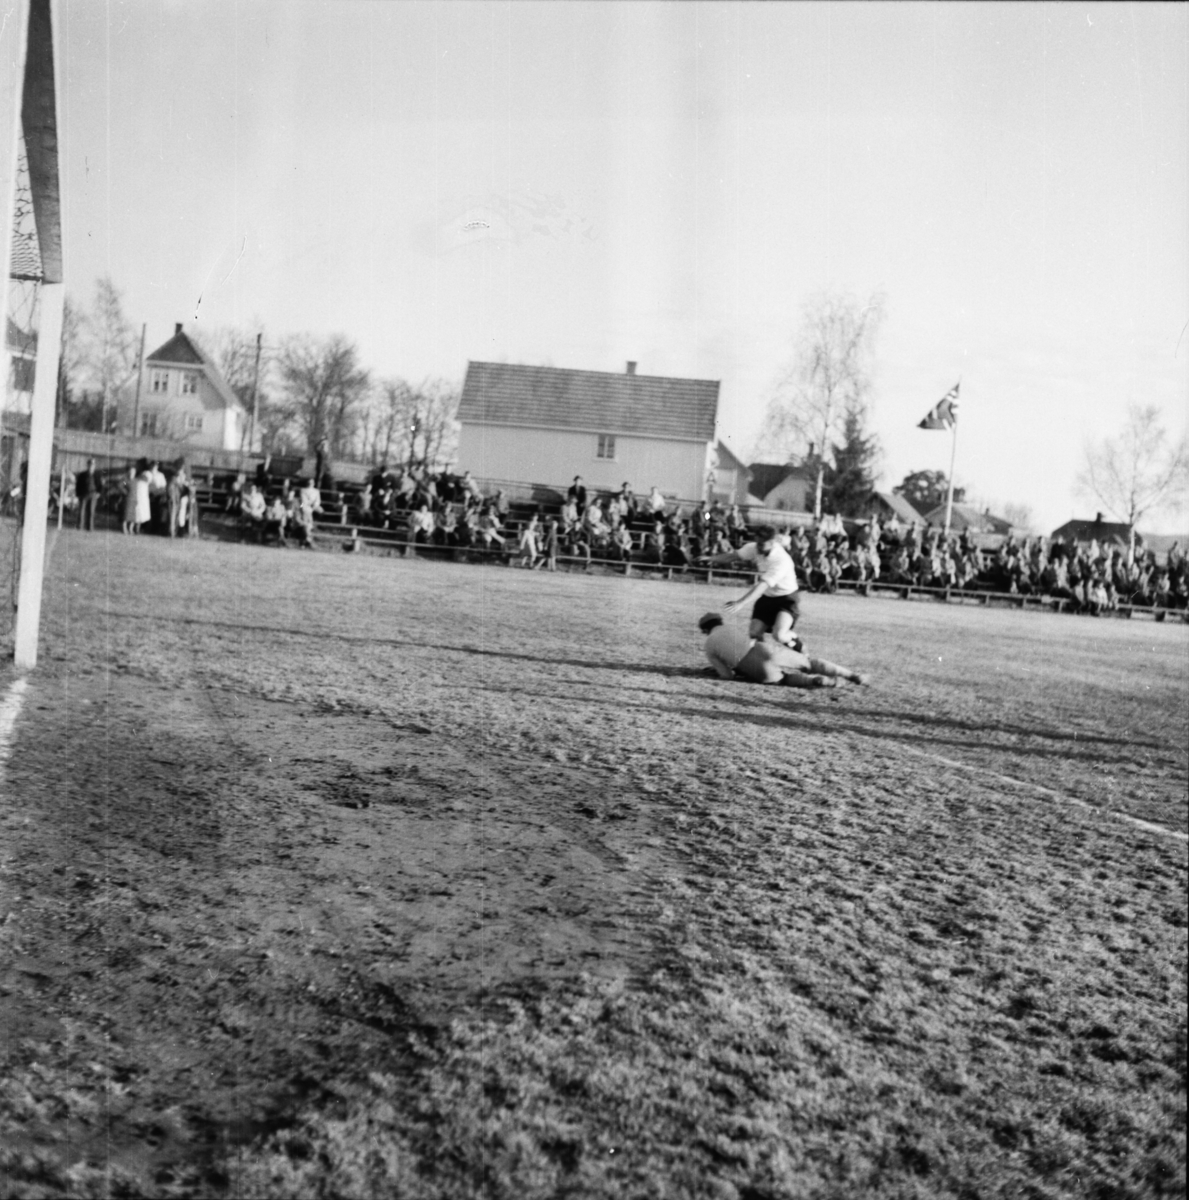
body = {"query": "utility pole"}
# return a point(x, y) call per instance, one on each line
point(255, 398)
point(139, 381)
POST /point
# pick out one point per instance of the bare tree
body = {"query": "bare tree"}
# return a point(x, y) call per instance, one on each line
point(1137, 472)
point(70, 362)
point(107, 348)
point(325, 387)
point(829, 381)
point(414, 426)
point(234, 353)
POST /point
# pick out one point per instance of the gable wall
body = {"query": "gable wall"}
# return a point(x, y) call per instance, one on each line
point(553, 457)
point(220, 425)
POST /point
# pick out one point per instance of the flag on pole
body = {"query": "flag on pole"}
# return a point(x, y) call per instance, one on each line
point(944, 414)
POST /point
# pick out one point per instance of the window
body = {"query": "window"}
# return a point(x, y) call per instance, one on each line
point(148, 424)
point(159, 382)
point(194, 422)
point(606, 446)
point(189, 383)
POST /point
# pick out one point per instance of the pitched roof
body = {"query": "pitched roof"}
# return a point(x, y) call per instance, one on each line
point(968, 516)
point(900, 505)
point(596, 401)
point(726, 459)
point(180, 350)
point(1099, 530)
point(766, 476)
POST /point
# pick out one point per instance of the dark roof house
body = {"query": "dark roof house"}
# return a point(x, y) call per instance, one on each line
point(969, 516)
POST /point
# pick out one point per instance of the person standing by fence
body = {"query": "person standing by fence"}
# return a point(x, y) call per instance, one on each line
point(87, 488)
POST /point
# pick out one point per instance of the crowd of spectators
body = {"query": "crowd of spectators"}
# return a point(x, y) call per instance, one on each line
point(1089, 577)
point(451, 510)
point(149, 499)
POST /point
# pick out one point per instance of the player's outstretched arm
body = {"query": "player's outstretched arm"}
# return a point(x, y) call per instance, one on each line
point(749, 597)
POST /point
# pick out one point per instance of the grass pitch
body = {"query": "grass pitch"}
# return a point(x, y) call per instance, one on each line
point(354, 876)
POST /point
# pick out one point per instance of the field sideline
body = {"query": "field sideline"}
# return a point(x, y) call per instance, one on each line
point(335, 875)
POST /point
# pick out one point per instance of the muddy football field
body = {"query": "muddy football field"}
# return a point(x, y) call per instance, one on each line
point(324, 875)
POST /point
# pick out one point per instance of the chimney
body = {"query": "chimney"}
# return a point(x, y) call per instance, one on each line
point(177, 328)
point(631, 367)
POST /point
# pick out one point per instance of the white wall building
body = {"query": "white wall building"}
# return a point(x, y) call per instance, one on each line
point(184, 398)
point(545, 425)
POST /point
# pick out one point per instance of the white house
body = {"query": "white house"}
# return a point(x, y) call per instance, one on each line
point(547, 424)
point(184, 398)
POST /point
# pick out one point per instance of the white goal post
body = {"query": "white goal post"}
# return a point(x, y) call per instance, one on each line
point(29, 118)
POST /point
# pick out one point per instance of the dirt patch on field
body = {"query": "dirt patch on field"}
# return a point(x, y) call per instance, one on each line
point(216, 904)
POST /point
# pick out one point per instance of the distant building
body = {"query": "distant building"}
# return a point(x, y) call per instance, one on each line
point(969, 516)
point(1118, 534)
point(184, 398)
point(886, 505)
point(729, 481)
point(790, 487)
point(547, 424)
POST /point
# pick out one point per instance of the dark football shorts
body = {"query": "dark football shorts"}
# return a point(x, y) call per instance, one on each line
point(768, 607)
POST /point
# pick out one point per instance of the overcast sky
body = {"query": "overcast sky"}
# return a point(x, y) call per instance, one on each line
point(581, 184)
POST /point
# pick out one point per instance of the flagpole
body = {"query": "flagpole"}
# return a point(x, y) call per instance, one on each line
point(949, 496)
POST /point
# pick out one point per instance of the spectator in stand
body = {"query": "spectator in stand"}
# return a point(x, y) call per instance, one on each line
point(174, 490)
point(420, 525)
point(551, 543)
point(363, 505)
point(736, 526)
point(570, 516)
point(501, 505)
point(310, 499)
point(233, 497)
point(656, 502)
point(575, 542)
point(188, 508)
point(467, 533)
point(490, 527)
point(299, 523)
point(577, 492)
point(427, 493)
point(901, 567)
point(275, 518)
point(403, 492)
point(597, 529)
point(528, 545)
point(625, 502)
point(321, 460)
point(158, 485)
point(384, 506)
point(620, 547)
point(264, 474)
point(471, 493)
point(446, 533)
point(87, 487)
point(654, 543)
point(677, 549)
point(699, 525)
point(129, 524)
point(252, 514)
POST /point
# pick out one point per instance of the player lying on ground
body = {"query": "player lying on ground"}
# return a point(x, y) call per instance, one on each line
point(732, 652)
point(777, 602)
